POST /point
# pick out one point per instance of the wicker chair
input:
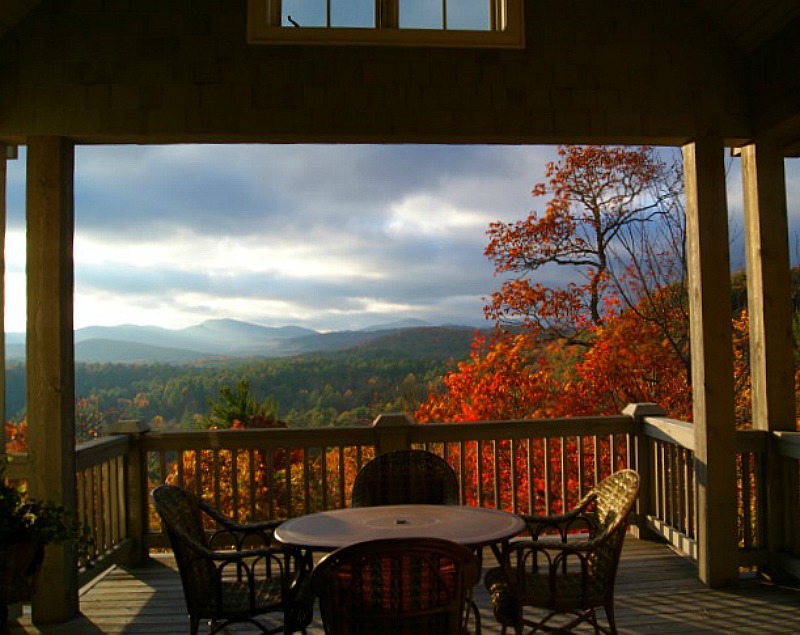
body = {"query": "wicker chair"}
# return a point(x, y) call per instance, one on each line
point(405, 477)
point(394, 586)
point(235, 575)
point(563, 572)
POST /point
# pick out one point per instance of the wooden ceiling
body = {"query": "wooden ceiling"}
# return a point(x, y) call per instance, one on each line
point(13, 11)
point(748, 23)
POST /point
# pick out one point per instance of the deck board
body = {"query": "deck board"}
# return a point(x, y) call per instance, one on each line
point(657, 593)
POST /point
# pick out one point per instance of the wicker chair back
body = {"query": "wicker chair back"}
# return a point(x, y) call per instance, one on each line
point(399, 586)
point(405, 477)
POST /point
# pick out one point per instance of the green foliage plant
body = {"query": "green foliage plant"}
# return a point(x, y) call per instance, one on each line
point(24, 519)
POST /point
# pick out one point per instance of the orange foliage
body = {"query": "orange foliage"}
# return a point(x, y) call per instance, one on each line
point(498, 381)
point(16, 436)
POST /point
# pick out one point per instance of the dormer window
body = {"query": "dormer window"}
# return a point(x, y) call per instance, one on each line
point(455, 23)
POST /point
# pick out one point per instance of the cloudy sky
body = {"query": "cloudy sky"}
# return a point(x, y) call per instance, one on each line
point(328, 237)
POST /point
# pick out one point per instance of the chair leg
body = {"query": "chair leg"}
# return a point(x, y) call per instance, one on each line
point(612, 624)
point(194, 625)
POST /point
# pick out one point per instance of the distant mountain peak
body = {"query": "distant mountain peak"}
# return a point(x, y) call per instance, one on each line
point(231, 338)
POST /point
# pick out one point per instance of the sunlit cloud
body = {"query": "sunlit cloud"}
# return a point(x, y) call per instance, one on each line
point(329, 236)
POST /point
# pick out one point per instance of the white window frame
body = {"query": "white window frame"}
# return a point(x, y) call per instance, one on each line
point(506, 29)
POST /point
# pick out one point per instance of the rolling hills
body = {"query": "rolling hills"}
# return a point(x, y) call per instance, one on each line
point(226, 338)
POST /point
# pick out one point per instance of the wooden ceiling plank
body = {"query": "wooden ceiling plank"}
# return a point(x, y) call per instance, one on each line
point(760, 26)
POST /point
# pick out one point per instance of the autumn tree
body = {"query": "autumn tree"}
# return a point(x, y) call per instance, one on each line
point(600, 200)
point(616, 334)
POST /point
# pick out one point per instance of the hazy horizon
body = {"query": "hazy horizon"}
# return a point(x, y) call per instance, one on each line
point(328, 237)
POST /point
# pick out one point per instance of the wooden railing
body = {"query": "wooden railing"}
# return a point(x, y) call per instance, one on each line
point(102, 502)
point(672, 511)
point(276, 474)
point(540, 466)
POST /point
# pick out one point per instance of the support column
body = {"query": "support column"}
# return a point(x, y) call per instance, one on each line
point(770, 311)
point(712, 359)
point(50, 357)
point(3, 203)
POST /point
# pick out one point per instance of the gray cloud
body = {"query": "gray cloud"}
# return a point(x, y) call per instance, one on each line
point(332, 236)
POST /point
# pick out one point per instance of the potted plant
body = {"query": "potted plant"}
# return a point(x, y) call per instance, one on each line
point(27, 526)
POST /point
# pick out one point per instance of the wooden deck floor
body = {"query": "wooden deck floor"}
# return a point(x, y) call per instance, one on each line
point(657, 593)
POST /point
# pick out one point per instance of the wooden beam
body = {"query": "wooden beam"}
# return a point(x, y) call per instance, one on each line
point(50, 357)
point(712, 359)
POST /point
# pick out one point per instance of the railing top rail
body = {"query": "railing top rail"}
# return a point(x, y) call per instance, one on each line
point(97, 451)
point(262, 438)
point(268, 438)
point(788, 443)
point(669, 430)
point(682, 433)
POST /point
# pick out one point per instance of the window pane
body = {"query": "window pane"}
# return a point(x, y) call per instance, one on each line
point(304, 13)
point(469, 15)
point(353, 13)
point(421, 14)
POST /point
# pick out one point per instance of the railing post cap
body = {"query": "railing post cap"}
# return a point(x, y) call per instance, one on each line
point(392, 420)
point(129, 426)
point(644, 409)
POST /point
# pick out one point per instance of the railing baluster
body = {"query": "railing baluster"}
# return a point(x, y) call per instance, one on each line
point(269, 467)
point(746, 512)
point(531, 482)
point(323, 467)
point(496, 452)
point(198, 472)
point(564, 473)
point(251, 485)
point(306, 482)
point(581, 469)
point(512, 451)
point(462, 471)
point(342, 497)
point(547, 502)
point(680, 488)
point(215, 474)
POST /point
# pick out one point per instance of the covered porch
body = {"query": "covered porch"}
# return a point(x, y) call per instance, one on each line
point(698, 75)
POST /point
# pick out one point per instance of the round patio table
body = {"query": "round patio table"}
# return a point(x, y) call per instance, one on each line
point(472, 527)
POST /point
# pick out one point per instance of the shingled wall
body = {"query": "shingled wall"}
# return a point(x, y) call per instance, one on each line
point(181, 70)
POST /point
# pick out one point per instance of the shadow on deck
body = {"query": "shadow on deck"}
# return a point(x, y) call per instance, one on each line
point(657, 593)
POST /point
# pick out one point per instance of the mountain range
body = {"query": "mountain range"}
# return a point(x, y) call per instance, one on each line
point(226, 338)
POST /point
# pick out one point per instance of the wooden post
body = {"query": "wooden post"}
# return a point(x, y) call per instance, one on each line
point(770, 311)
point(50, 358)
point(712, 359)
point(644, 462)
point(136, 503)
point(3, 287)
point(392, 431)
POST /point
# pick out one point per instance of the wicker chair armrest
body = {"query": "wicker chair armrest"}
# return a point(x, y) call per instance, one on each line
point(267, 526)
point(225, 555)
point(238, 555)
point(563, 524)
point(525, 545)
